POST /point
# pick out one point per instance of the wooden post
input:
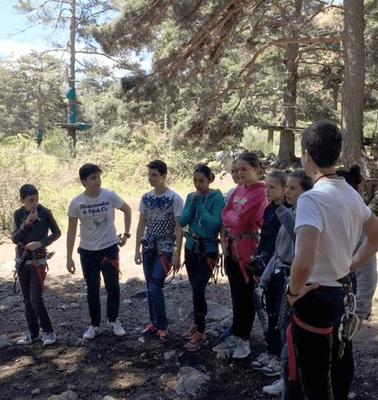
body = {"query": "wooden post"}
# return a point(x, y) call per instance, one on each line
point(270, 135)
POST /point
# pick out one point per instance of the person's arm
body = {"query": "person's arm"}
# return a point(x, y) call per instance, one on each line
point(178, 234)
point(138, 241)
point(188, 211)
point(304, 261)
point(287, 219)
point(211, 218)
point(71, 236)
point(127, 221)
point(54, 228)
point(369, 246)
point(20, 229)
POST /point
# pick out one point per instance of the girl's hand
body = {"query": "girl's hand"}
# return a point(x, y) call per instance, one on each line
point(195, 195)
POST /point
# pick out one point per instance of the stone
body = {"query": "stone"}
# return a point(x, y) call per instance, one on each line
point(140, 294)
point(217, 312)
point(169, 354)
point(68, 395)
point(191, 381)
point(4, 342)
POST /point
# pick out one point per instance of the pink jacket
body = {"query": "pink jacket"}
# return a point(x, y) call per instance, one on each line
point(244, 214)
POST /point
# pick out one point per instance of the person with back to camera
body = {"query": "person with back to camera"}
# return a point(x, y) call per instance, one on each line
point(31, 225)
point(243, 217)
point(202, 215)
point(329, 221)
point(98, 247)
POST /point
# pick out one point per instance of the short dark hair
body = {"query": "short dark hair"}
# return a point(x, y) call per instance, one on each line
point(323, 141)
point(88, 169)
point(304, 180)
point(159, 165)
point(204, 169)
point(28, 190)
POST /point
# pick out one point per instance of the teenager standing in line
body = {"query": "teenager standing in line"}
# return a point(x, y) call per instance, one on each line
point(202, 215)
point(160, 235)
point(98, 247)
point(243, 218)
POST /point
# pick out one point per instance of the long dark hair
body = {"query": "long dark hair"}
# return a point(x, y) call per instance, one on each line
point(204, 169)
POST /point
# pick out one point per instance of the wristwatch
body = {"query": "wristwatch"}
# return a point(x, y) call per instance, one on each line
point(127, 235)
point(288, 293)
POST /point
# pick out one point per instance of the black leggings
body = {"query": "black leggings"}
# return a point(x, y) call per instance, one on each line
point(199, 274)
point(93, 264)
point(243, 302)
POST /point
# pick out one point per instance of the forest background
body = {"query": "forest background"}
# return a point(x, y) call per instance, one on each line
point(223, 73)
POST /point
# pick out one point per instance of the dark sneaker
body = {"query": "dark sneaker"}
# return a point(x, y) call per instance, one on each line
point(190, 333)
point(273, 368)
point(149, 329)
point(48, 338)
point(262, 361)
point(27, 338)
point(163, 335)
point(227, 333)
point(197, 341)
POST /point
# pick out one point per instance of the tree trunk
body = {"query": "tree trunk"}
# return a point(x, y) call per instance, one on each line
point(354, 78)
point(353, 100)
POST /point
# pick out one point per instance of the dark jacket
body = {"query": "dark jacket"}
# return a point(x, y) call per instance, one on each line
point(38, 231)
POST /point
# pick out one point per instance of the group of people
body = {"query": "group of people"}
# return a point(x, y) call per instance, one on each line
point(291, 246)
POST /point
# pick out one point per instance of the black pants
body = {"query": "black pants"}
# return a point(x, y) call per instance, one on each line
point(322, 373)
point(106, 262)
point(35, 309)
point(199, 274)
point(242, 299)
point(273, 296)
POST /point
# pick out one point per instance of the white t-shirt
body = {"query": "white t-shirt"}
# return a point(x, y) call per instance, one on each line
point(96, 215)
point(338, 212)
point(160, 212)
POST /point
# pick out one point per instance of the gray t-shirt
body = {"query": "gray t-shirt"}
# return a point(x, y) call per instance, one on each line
point(96, 215)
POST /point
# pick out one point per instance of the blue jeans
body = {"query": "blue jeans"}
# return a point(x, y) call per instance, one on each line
point(155, 276)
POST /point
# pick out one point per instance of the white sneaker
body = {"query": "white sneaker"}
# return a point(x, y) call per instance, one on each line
point(243, 350)
point(117, 328)
point(275, 388)
point(230, 344)
point(92, 332)
point(48, 338)
point(27, 339)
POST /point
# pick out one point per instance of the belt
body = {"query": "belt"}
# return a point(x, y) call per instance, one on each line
point(40, 261)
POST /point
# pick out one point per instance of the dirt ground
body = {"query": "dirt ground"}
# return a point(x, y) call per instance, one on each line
point(127, 368)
